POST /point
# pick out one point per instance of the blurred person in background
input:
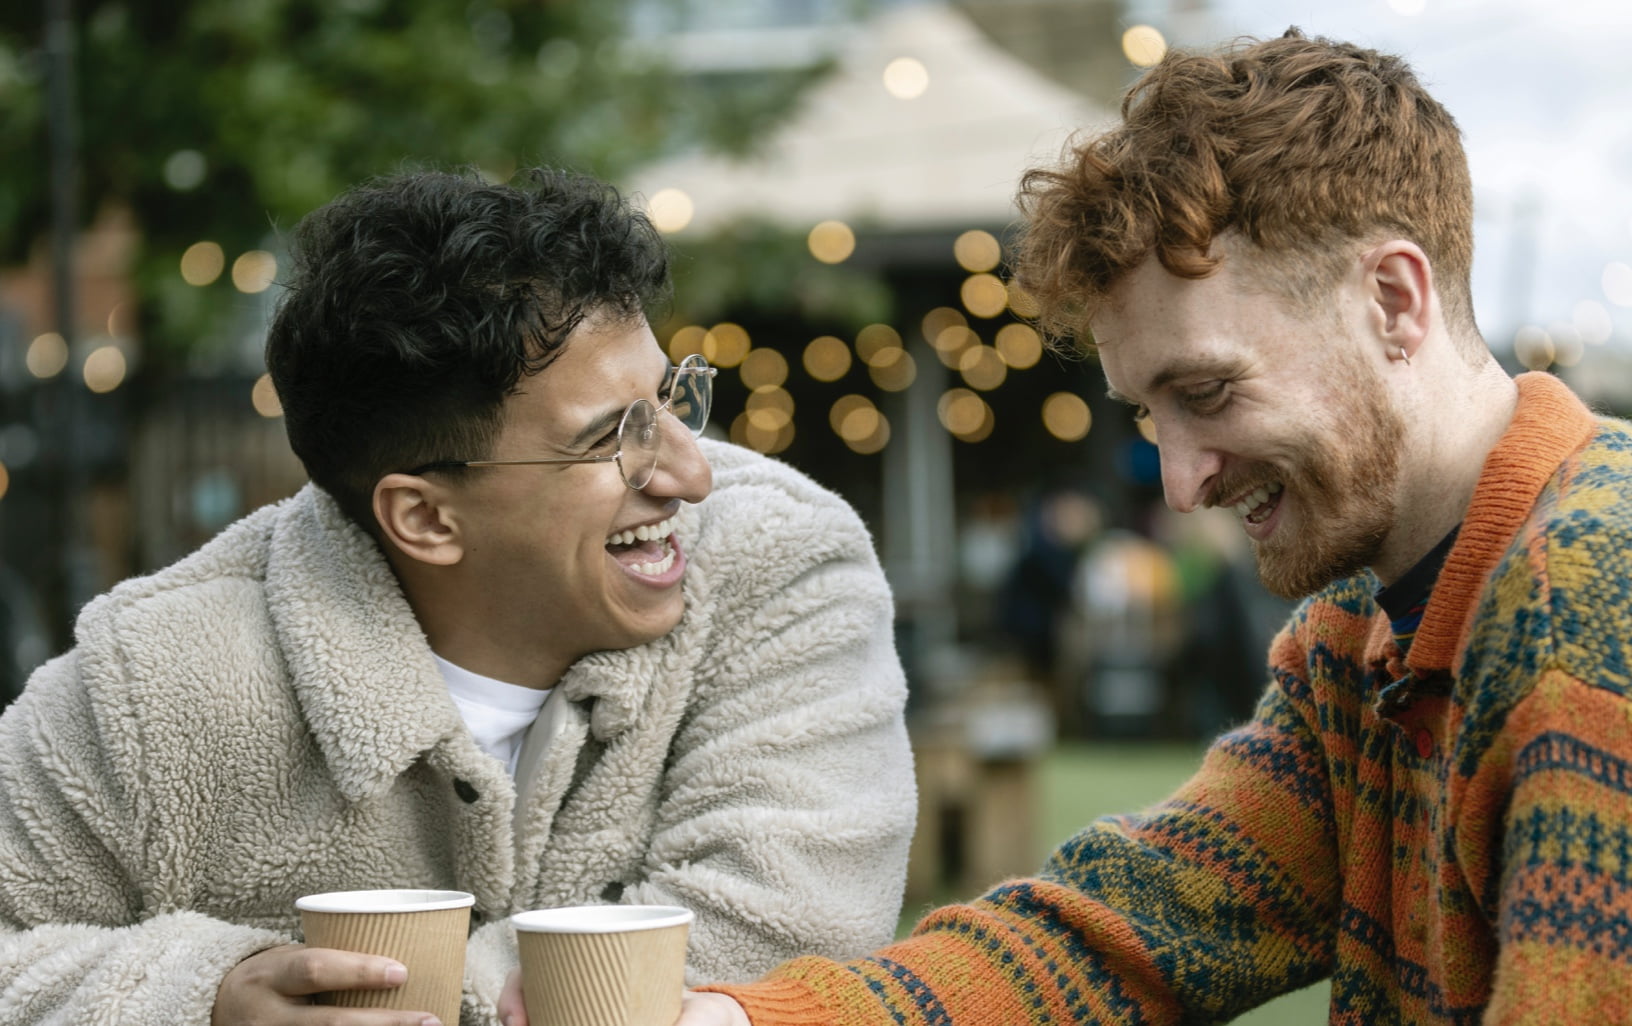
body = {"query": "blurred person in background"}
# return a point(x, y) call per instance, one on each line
point(1033, 604)
point(1432, 803)
point(525, 635)
point(1228, 619)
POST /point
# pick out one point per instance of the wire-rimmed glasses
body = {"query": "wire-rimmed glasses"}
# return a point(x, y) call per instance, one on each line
point(690, 395)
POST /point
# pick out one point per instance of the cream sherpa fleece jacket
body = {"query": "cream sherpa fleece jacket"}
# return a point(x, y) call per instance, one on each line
point(263, 720)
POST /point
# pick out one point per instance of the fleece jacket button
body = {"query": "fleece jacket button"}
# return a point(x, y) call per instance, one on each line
point(466, 793)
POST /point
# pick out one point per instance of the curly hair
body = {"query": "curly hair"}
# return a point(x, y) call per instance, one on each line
point(1304, 147)
point(416, 302)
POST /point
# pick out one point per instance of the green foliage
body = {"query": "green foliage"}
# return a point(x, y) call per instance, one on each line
point(229, 119)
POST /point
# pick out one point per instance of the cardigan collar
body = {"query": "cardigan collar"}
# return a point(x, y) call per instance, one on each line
point(1549, 424)
point(360, 663)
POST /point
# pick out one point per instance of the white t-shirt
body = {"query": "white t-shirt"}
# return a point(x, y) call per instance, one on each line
point(498, 714)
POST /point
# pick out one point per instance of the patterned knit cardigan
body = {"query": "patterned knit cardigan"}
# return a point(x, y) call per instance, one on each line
point(1448, 837)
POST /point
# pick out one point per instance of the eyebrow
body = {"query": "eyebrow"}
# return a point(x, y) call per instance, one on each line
point(1210, 366)
point(609, 420)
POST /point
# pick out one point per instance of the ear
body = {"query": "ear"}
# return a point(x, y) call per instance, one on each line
point(1399, 285)
point(415, 516)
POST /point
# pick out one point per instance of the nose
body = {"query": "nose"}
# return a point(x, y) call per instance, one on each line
point(682, 469)
point(1188, 471)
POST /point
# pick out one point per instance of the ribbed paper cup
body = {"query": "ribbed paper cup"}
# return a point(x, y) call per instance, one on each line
point(603, 965)
point(424, 930)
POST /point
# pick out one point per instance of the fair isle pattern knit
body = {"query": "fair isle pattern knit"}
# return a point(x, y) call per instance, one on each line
point(1448, 837)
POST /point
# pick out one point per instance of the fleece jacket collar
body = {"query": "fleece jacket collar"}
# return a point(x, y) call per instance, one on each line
point(361, 665)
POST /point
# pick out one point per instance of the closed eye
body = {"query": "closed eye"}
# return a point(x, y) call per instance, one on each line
point(605, 443)
point(1208, 398)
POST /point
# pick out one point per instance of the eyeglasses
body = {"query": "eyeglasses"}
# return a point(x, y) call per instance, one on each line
point(688, 397)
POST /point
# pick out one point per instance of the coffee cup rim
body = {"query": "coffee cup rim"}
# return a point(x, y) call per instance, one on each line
point(600, 918)
point(385, 901)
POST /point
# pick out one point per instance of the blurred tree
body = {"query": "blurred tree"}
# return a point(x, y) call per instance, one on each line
point(226, 121)
point(223, 119)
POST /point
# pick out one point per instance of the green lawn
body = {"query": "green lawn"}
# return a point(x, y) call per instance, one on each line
point(1079, 782)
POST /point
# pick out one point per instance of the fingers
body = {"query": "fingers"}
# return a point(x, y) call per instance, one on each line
point(274, 988)
point(512, 1007)
point(710, 1010)
point(301, 971)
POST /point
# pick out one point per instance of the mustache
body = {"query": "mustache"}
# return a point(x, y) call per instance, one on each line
point(1236, 482)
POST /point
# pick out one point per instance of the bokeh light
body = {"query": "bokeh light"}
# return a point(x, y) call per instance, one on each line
point(1143, 45)
point(982, 367)
point(745, 432)
point(1146, 428)
point(984, 295)
point(895, 374)
point(1066, 416)
point(906, 78)
point(831, 242)
point(1019, 345)
point(202, 263)
point(254, 271)
point(964, 414)
point(875, 341)
point(670, 210)
point(104, 369)
point(726, 344)
point(1567, 344)
point(769, 408)
point(686, 341)
point(950, 343)
point(827, 358)
point(1533, 347)
point(5, 480)
point(264, 397)
point(977, 251)
point(122, 320)
point(47, 355)
point(864, 428)
point(939, 319)
point(184, 170)
point(763, 368)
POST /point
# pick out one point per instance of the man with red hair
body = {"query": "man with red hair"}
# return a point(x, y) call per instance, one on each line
point(1432, 805)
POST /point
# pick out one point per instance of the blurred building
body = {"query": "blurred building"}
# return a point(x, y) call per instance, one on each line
point(900, 162)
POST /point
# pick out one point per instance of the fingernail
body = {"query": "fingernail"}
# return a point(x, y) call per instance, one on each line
point(430, 1020)
point(396, 974)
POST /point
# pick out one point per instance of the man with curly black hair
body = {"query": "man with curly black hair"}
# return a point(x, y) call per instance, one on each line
point(526, 635)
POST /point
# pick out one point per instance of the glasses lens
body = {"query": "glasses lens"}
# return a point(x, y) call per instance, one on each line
point(693, 393)
point(638, 441)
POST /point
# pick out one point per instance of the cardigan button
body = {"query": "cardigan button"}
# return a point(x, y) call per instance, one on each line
point(1425, 742)
point(466, 793)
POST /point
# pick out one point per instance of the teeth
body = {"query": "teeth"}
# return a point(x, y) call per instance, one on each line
point(645, 532)
point(659, 567)
point(1250, 503)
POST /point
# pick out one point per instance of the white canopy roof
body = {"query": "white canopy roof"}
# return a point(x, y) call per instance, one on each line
point(948, 158)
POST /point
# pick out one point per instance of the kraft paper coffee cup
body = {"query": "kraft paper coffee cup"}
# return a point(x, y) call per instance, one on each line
point(424, 930)
point(603, 965)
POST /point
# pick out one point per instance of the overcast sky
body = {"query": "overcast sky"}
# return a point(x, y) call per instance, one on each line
point(1543, 92)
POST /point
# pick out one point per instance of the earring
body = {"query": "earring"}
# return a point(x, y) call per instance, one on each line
point(1402, 356)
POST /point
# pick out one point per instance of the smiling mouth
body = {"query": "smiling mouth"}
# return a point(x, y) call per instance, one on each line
point(1256, 506)
point(646, 549)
